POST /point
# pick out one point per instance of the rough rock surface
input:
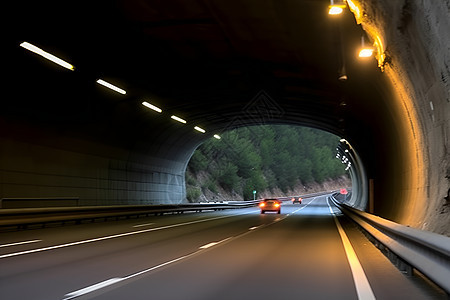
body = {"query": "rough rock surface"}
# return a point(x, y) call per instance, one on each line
point(417, 45)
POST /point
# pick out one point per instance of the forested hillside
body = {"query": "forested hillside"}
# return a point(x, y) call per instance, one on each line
point(263, 158)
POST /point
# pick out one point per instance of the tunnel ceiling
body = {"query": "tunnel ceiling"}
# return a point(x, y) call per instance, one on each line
point(218, 64)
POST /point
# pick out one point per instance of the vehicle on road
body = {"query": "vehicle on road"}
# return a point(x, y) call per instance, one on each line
point(271, 204)
point(297, 200)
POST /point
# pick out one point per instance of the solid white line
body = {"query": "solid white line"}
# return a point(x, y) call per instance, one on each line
point(363, 288)
point(20, 243)
point(113, 236)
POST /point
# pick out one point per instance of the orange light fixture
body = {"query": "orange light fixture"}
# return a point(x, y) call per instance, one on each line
point(365, 51)
point(336, 9)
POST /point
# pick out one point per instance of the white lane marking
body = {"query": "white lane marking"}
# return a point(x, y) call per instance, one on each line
point(142, 225)
point(363, 288)
point(111, 281)
point(304, 206)
point(91, 288)
point(115, 280)
point(116, 236)
point(208, 245)
point(20, 243)
point(213, 243)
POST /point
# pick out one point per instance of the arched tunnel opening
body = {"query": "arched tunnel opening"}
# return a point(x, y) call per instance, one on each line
point(256, 162)
point(220, 66)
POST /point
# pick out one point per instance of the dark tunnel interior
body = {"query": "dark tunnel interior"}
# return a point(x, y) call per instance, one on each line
point(221, 65)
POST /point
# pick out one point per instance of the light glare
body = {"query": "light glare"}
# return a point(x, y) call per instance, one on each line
point(366, 52)
point(112, 87)
point(217, 136)
point(178, 119)
point(336, 9)
point(356, 11)
point(47, 55)
point(151, 106)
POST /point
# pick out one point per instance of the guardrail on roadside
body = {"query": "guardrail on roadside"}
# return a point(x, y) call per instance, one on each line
point(22, 218)
point(425, 251)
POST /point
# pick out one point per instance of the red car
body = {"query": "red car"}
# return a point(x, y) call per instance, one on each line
point(270, 205)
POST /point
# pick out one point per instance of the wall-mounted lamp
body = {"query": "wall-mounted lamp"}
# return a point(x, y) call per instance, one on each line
point(365, 51)
point(336, 8)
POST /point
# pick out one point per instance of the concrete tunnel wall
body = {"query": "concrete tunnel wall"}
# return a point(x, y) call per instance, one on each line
point(93, 173)
point(417, 44)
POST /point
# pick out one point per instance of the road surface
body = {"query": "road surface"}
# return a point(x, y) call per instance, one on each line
point(309, 251)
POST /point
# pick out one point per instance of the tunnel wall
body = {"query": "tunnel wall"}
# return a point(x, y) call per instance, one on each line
point(30, 173)
point(360, 185)
point(416, 34)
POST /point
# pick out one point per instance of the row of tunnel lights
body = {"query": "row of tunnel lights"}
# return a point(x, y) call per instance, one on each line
point(335, 9)
point(344, 159)
point(104, 83)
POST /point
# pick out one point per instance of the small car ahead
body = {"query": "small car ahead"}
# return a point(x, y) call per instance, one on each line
point(297, 200)
point(272, 204)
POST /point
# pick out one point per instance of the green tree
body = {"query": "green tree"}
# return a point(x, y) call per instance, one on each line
point(227, 177)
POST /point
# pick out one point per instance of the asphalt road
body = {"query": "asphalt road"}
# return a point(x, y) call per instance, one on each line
point(232, 254)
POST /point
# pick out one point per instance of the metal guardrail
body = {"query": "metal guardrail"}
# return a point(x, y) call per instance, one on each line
point(425, 251)
point(22, 218)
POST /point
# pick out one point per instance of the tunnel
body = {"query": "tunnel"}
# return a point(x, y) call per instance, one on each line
point(219, 65)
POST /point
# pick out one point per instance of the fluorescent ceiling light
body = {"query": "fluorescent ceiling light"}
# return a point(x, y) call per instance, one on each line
point(199, 129)
point(366, 52)
point(178, 119)
point(110, 86)
point(47, 55)
point(217, 136)
point(151, 106)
